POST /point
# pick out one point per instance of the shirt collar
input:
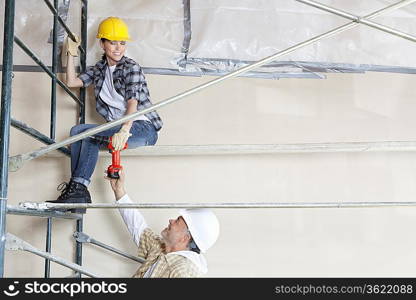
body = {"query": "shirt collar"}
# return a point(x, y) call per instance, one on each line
point(198, 259)
point(102, 64)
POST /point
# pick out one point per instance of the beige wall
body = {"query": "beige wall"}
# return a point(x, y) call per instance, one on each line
point(258, 242)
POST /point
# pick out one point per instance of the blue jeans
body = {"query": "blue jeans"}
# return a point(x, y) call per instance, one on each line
point(84, 153)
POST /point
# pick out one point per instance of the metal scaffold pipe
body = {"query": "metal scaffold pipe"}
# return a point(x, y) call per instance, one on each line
point(68, 31)
point(17, 161)
point(5, 120)
point(247, 149)
point(358, 19)
point(32, 55)
point(66, 206)
point(84, 238)
point(14, 243)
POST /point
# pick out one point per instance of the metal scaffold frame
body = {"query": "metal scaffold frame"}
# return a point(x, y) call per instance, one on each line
point(49, 210)
point(7, 120)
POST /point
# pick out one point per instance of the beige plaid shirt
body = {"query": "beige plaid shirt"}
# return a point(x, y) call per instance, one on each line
point(169, 265)
point(151, 248)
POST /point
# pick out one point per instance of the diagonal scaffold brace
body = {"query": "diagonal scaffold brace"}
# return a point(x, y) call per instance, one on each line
point(14, 243)
point(84, 238)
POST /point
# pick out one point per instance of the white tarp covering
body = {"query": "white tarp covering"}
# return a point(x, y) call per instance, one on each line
point(253, 29)
point(33, 24)
point(245, 30)
point(156, 28)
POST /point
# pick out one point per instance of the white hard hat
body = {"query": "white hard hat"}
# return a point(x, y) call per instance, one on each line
point(203, 225)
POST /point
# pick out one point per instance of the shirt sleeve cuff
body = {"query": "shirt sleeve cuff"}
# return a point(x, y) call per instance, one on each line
point(124, 199)
point(84, 79)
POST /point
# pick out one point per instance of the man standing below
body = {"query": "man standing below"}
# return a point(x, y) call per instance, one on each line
point(176, 253)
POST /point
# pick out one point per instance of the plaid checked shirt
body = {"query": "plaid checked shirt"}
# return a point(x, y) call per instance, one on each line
point(129, 82)
point(169, 265)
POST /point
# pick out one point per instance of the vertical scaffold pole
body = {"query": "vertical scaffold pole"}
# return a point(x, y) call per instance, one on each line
point(82, 96)
point(52, 125)
point(48, 247)
point(54, 71)
point(6, 96)
point(83, 57)
point(78, 245)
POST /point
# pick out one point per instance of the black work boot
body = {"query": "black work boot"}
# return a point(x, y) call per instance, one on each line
point(73, 192)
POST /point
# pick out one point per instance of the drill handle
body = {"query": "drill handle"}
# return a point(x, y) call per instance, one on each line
point(110, 145)
point(115, 157)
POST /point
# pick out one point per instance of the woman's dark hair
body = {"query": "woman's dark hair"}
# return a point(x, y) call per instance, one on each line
point(103, 40)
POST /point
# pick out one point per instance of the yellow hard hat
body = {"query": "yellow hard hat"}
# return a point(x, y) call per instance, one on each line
point(113, 29)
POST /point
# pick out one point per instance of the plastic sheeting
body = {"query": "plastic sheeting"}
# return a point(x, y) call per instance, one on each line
point(156, 28)
point(33, 25)
point(250, 30)
point(225, 34)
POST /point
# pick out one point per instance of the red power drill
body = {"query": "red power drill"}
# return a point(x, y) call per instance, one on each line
point(115, 167)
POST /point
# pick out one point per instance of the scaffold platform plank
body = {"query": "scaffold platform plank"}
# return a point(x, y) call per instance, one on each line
point(40, 211)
